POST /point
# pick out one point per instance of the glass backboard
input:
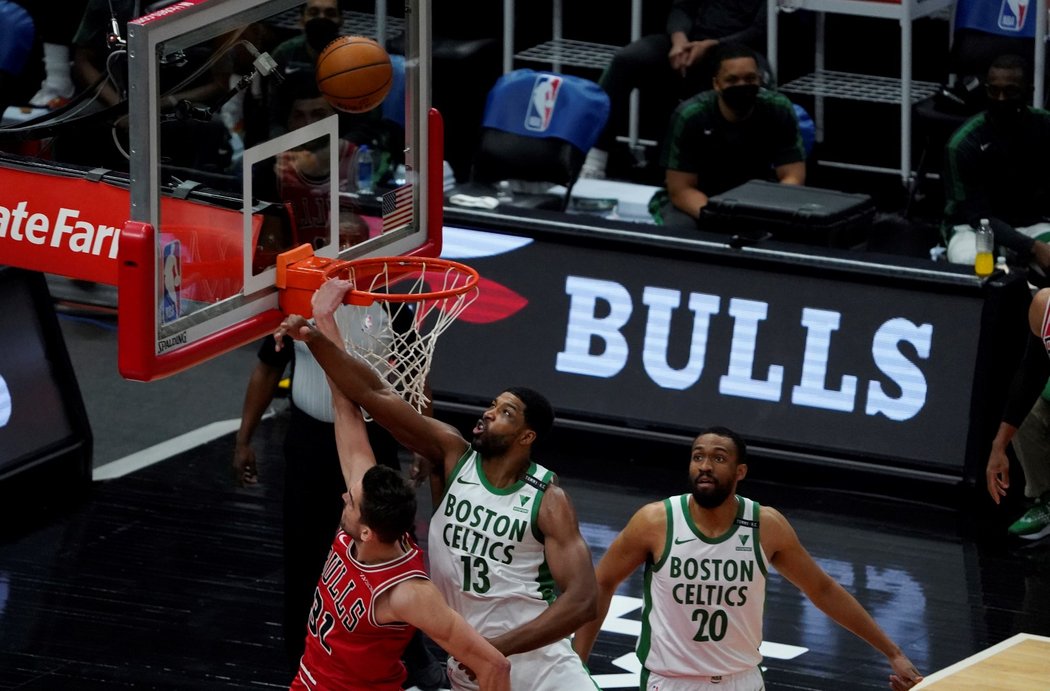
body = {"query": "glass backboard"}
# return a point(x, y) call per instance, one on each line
point(236, 157)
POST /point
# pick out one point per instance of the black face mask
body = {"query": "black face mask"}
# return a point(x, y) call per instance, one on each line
point(320, 32)
point(1005, 112)
point(740, 99)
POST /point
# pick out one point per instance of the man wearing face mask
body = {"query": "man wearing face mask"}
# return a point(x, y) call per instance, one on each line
point(996, 168)
point(320, 22)
point(722, 138)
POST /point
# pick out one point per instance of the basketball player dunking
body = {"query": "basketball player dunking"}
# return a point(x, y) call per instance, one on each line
point(504, 534)
point(374, 592)
point(705, 575)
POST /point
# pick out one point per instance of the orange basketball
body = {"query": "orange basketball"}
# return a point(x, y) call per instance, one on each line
point(354, 73)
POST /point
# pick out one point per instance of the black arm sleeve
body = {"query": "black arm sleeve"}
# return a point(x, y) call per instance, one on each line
point(1028, 382)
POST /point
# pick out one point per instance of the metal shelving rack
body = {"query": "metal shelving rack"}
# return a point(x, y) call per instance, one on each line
point(824, 83)
point(378, 25)
point(559, 51)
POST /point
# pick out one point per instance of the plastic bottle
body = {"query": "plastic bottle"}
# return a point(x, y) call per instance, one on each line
point(504, 193)
point(400, 175)
point(984, 263)
point(1001, 265)
point(363, 170)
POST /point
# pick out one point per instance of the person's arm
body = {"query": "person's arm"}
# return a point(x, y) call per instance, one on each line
point(1027, 384)
point(569, 560)
point(683, 191)
point(680, 18)
point(351, 438)
point(257, 398)
point(788, 153)
point(439, 442)
point(627, 552)
point(792, 173)
point(419, 603)
point(791, 560)
point(86, 72)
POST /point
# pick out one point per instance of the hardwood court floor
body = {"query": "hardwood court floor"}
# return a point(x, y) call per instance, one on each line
point(169, 578)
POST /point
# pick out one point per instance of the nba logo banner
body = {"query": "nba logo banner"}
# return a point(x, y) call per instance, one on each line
point(1012, 14)
point(171, 302)
point(541, 105)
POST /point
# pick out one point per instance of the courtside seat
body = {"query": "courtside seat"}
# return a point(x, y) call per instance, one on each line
point(538, 127)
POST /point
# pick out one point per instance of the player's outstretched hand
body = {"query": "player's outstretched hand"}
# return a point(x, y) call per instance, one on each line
point(327, 299)
point(905, 675)
point(294, 326)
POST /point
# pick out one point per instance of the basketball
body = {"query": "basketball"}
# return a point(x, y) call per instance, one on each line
point(354, 74)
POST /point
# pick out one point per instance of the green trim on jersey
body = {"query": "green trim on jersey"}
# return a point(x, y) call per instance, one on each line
point(645, 638)
point(667, 535)
point(510, 489)
point(534, 516)
point(756, 516)
point(696, 531)
point(545, 581)
point(455, 473)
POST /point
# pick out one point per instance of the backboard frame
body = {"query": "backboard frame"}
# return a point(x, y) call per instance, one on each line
point(150, 348)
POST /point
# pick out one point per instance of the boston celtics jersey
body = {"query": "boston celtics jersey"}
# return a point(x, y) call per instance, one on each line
point(486, 551)
point(703, 600)
point(487, 558)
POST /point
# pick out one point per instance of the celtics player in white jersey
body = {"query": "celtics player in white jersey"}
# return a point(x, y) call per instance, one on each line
point(705, 556)
point(504, 537)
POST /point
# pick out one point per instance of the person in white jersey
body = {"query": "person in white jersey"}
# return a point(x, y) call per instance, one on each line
point(705, 576)
point(504, 538)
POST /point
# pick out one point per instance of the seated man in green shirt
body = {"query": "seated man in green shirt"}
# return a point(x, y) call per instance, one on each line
point(721, 138)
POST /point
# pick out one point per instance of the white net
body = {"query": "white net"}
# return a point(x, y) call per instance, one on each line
point(419, 299)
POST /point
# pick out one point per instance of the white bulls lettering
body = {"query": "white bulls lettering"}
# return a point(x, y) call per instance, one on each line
point(595, 346)
point(5, 403)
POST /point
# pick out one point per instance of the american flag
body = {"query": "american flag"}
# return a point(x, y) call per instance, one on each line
point(397, 207)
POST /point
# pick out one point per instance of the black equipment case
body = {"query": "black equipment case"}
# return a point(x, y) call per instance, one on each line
point(790, 213)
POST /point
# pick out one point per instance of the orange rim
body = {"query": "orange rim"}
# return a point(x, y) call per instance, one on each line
point(394, 268)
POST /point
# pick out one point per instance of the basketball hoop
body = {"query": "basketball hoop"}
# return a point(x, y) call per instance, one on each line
point(421, 297)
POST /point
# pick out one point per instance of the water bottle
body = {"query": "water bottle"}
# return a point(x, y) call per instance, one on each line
point(363, 170)
point(504, 193)
point(984, 262)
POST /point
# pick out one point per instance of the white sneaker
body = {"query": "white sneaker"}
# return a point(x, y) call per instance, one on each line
point(51, 96)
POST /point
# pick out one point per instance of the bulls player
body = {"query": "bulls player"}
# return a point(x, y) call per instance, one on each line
point(374, 592)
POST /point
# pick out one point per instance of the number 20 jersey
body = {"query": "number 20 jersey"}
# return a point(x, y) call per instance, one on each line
point(486, 551)
point(703, 601)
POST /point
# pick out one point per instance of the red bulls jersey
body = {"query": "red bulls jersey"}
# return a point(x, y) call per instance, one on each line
point(346, 648)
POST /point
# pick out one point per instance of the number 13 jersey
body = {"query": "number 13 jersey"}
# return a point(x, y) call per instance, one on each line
point(703, 600)
point(486, 549)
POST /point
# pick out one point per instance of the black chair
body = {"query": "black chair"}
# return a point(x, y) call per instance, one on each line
point(538, 127)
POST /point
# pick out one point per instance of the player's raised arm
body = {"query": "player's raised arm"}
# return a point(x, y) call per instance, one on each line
point(351, 438)
point(627, 552)
point(418, 602)
point(791, 560)
point(436, 440)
